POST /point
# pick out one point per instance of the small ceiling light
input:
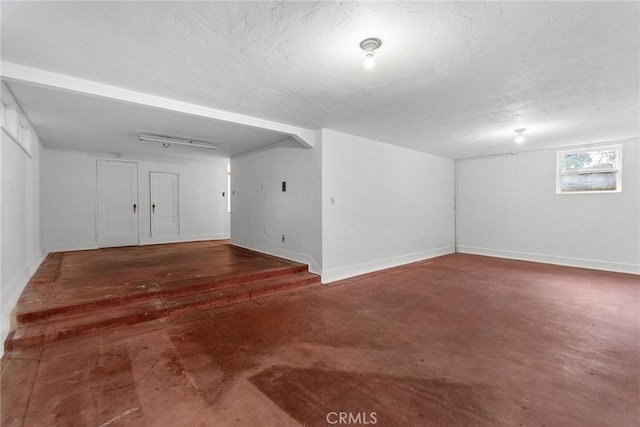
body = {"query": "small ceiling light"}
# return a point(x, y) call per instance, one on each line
point(520, 137)
point(369, 46)
point(166, 141)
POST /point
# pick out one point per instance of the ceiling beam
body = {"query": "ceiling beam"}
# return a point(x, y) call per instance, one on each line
point(34, 76)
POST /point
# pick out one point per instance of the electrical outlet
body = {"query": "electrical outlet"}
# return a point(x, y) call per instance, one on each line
point(283, 238)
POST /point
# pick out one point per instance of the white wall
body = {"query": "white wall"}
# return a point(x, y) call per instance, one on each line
point(508, 207)
point(261, 212)
point(382, 205)
point(21, 251)
point(69, 198)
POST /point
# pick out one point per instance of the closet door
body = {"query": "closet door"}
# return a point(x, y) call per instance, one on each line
point(117, 203)
point(165, 204)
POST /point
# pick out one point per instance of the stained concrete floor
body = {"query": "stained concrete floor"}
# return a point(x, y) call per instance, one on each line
point(75, 293)
point(137, 271)
point(457, 340)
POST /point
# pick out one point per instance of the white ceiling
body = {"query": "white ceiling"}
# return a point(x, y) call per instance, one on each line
point(64, 119)
point(452, 78)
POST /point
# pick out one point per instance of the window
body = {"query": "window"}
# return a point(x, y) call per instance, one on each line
point(589, 170)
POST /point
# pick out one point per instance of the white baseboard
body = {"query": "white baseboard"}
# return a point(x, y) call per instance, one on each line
point(64, 247)
point(593, 264)
point(180, 239)
point(35, 263)
point(314, 267)
point(341, 273)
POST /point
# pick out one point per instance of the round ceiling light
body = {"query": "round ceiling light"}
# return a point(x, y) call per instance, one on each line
point(369, 46)
point(520, 137)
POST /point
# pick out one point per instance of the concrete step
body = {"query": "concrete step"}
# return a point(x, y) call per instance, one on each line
point(94, 319)
point(151, 293)
point(242, 292)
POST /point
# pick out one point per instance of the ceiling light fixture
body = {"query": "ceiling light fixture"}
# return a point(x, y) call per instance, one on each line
point(166, 141)
point(369, 46)
point(520, 137)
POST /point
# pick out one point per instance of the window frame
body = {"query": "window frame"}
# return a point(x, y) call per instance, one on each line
point(618, 169)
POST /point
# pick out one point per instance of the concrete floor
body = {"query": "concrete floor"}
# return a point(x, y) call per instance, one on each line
point(457, 340)
point(76, 293)
point(132, 273)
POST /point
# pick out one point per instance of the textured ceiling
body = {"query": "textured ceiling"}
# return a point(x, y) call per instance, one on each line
point(452, 78)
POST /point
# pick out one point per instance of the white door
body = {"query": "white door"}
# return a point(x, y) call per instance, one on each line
point(165, 204)
point(118, 205)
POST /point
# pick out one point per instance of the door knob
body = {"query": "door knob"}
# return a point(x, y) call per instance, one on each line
point(153, 208)
point(134, 208)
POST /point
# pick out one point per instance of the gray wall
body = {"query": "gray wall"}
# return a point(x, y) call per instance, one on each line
point(21, 251)
point(383, 205)
point(508, 207)
point(261, 212)
point(69, 197)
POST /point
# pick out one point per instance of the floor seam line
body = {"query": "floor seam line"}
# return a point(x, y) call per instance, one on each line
point(33, 384)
